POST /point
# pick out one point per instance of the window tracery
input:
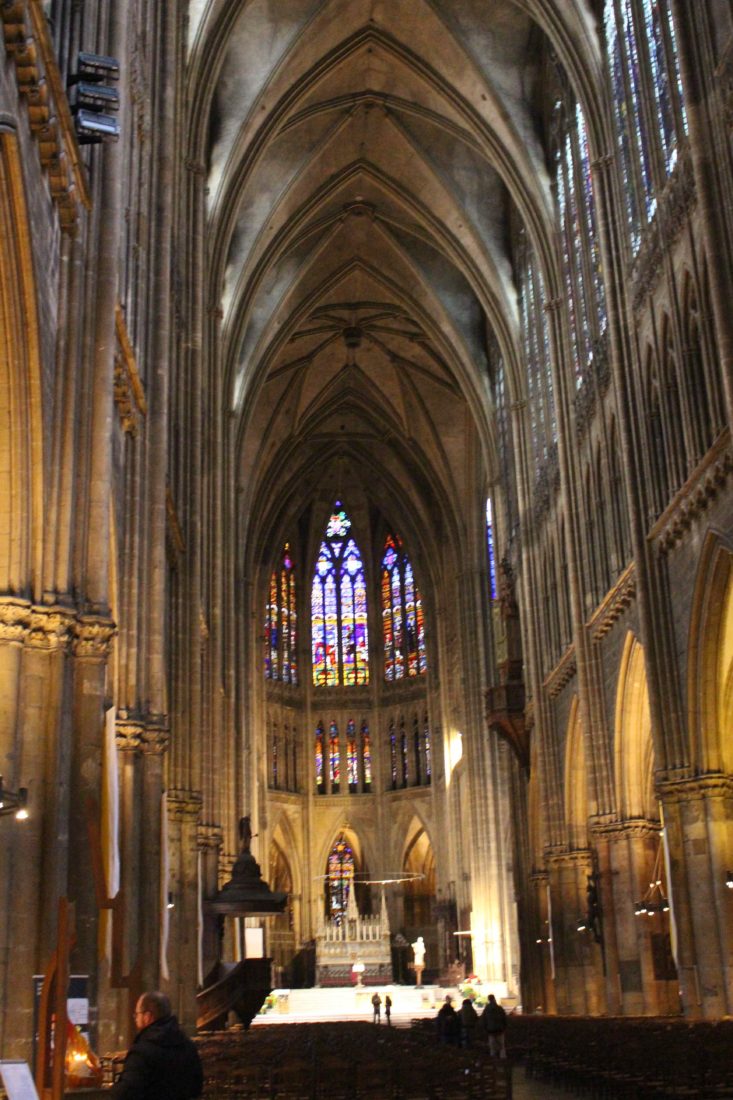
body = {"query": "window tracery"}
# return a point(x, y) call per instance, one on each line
point(536, 340)
point(644, 68)
point(340, 879)
point(403, 625)
point(339, 608)
point(281, 622)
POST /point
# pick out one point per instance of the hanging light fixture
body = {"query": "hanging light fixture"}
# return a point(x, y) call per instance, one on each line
point(12, 802)
point(654, 899)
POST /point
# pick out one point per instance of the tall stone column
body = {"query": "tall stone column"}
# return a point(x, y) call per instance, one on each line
point(209, 841)
point(698, 819)
point(153, 748)
point(14, 622)
point(184, 809)
point(92, 637)
point(578, 963)
point(36, 879)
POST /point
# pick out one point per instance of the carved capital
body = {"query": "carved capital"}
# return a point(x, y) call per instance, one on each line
point(155, 740)
point(93, 637)
point(714, 785)
point(184, 804)
point(209, 837)
point(50, 628)
point(15, 617)
point(637, 827)
point(576, 857)
point(128, 735)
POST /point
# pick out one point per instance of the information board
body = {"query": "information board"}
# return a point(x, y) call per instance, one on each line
point(17, 1081)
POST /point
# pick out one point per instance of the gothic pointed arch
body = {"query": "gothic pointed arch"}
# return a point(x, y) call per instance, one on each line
point(403, 620)
point(21, 465)
point(633, 747)
point(281, 621)
point(418, 860)
point(576, 780)
point(710, 663)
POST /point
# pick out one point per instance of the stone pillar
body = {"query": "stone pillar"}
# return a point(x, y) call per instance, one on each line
point(14, 622)
point(698, 819)
point(93, 635)
point(184, 809)
point(209, 840)
point(578, 959)
point(38, 871)
point(153, 748)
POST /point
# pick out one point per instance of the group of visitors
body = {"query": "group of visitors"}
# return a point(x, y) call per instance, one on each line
point(377, 1007)
point(465, 1027)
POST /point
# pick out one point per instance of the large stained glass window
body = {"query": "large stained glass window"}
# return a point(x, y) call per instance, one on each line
point(352, 756)
point(392, 745)
point(403, 623)
point(339, 879)
point(339, 608)
point(536, 335)
point(281, 623)
point(580, 240)
point(641, 47)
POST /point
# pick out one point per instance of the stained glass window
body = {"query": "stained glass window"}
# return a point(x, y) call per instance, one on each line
point(403, 755)
point(334, 773)
point(339, 608)
point(281, 620)
point(352, 756)
point(366, 755)
point(319, 758)
point(426, 742)
point(403, 623)
point(393, 754)
point(340, 878)
point(641, 47)
point(275, 762)
point(536, 336)
point(490, 548)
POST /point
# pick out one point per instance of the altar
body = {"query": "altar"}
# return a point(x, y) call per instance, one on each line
point(356, 949)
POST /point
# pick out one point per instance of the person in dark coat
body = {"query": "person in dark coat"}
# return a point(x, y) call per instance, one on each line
point(388, 1008)
point(493, 1021)
point(449, 1025)
point(469, 1023)
point(162, 1063)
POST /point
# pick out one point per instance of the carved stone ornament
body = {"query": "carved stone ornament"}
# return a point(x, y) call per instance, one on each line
point(562, 673)
point(695, 496)
point(618, 600)
point(93, 637)
point(15, 616)
point(128, 735)
point(714, 785)
point(210, 838)
point(50, 628)
point(155, 740)
point(639, 828)
point(184, 804)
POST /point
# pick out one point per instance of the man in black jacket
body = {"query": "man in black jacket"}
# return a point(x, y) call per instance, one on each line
point(162, 1063)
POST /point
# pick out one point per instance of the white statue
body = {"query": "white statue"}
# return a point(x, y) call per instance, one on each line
point(418, 950)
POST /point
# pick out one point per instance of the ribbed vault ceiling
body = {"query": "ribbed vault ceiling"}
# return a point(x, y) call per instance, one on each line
point(362, 160)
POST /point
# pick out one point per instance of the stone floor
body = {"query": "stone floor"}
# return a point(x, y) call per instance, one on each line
point(524, 1088)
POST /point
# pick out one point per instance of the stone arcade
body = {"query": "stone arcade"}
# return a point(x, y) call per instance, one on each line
point(366, 466)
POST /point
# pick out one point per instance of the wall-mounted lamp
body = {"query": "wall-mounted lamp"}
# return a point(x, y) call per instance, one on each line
point(170, 903)
point(12, 802)
point(729, 879)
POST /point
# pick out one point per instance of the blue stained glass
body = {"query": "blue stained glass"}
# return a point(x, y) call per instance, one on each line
point(490, 548)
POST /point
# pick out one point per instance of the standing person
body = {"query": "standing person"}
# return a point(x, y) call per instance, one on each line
point(162, 1063)
point(388, 1009)
point(449, 1025)
point(469, 1023)
point(494, 1021)
point(377, 1006)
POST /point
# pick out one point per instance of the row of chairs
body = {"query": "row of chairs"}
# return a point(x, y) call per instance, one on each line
point(622, 1058)
point(346, 1061)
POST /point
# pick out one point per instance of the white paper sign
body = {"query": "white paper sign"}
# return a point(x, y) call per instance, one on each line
point(17, 1080)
